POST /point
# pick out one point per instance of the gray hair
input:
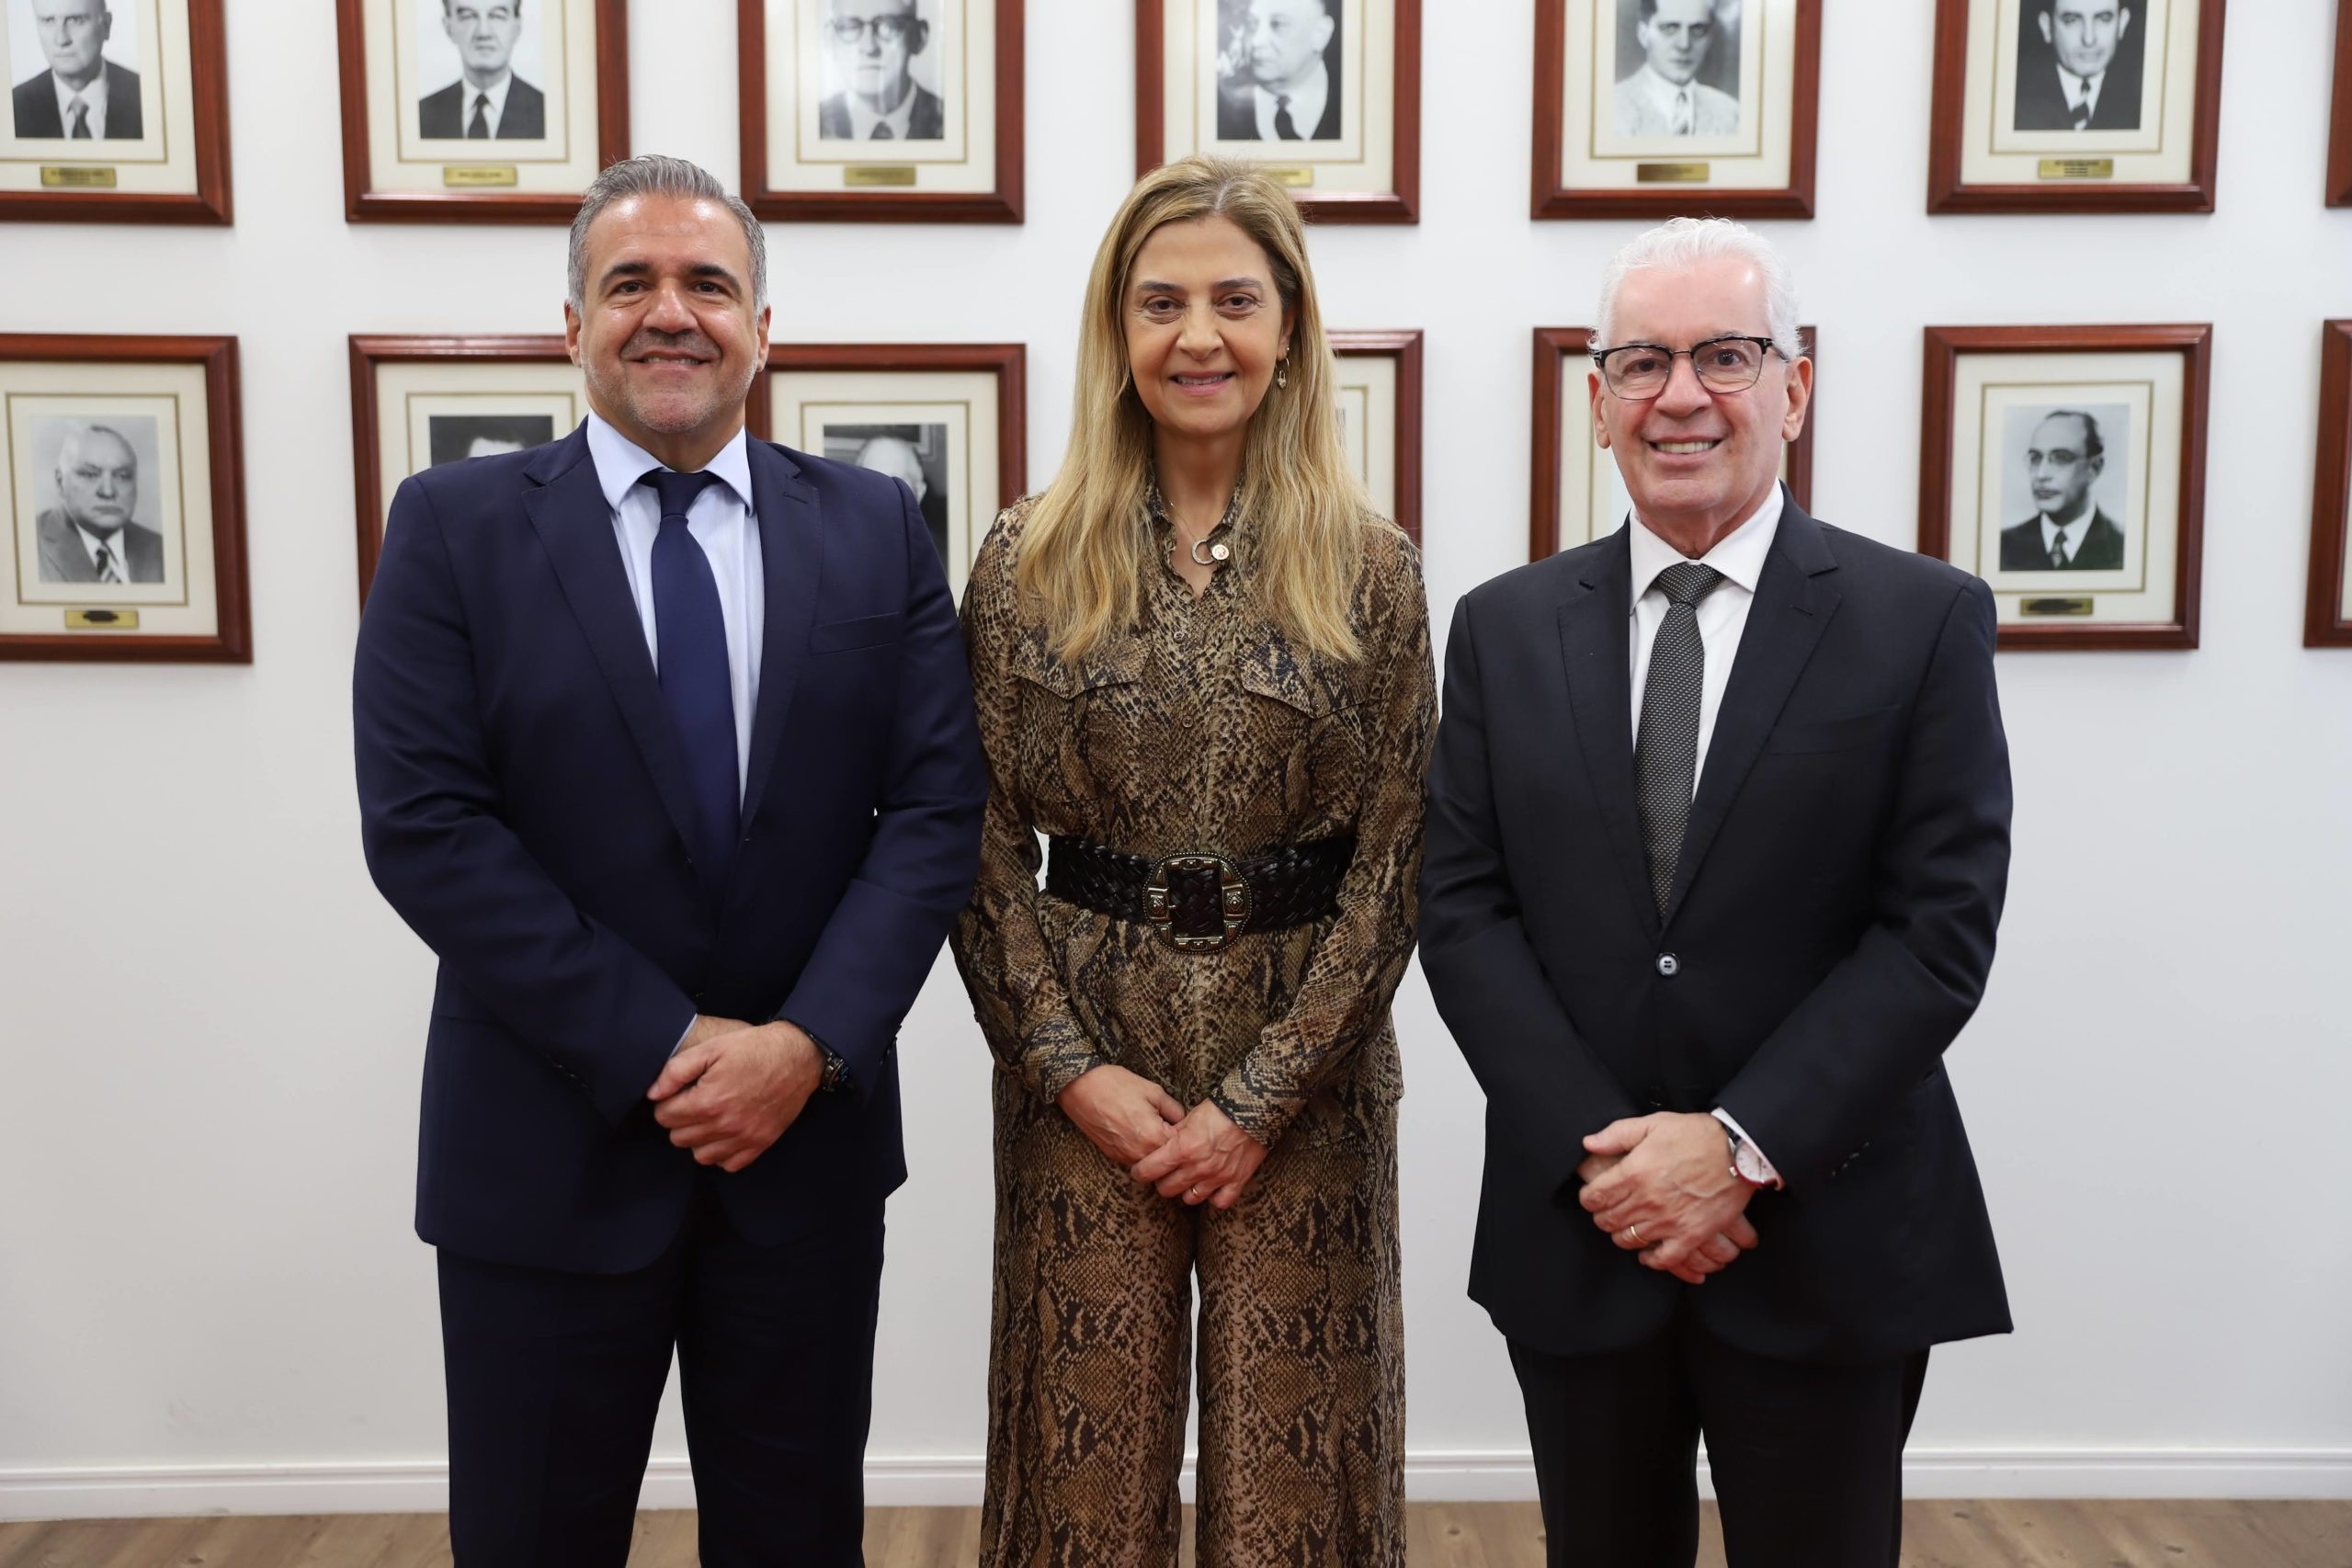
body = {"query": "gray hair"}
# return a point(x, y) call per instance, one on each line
point(74, 438)
point(2092, 445)
point(651, 174)
point(1685, 242)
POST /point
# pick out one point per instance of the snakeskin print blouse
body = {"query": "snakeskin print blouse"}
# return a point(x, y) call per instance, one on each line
point(1203, 729)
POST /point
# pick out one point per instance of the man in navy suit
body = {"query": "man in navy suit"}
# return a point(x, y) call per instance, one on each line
point(82, 96)
point(666, 748)
point(1719, 833)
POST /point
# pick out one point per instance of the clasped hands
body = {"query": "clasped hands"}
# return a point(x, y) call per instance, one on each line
point(732, 1088)
point(1662, 1185)
point(1199, 1156)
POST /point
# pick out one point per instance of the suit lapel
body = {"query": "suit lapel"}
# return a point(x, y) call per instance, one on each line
point(791, 531)
point(1594, 647)
point(1793, 602)
point(574, 526)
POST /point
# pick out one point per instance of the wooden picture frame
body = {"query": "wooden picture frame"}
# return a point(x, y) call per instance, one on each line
point(1396, 484)
point(2328, 614)
point(880, 191)
point(2160, 376)
point(2339, 138)
point(1393, 200)
point(479, 189)
point(965, 405)
point(1549, 530)
point(1665, 185)
point(184, 467)
point(187, 187)
point(375, 477)
point(2044, 174)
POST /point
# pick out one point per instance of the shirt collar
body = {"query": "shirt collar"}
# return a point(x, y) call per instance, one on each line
point(1306, 104)
point(1739, 555)
point(621, 462)
point(95, 95)
point(2052, 531)
point(2081, 87)
point(1662, 92)
point(496, 93)
point(93, 542)
point(862, 120)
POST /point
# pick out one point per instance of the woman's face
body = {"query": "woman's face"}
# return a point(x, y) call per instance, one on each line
point(1205, 328)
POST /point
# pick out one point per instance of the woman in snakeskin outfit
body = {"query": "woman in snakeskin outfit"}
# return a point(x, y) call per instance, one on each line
point(1202, 668)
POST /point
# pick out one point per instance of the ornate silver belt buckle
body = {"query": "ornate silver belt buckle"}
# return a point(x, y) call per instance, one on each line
point(1233, 901)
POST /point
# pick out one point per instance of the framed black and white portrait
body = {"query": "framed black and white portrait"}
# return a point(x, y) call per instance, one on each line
point(2082, 106)
point(883, 109)
point(1379, 419)
point(1646, 108)
point(1577, 496)
point(2065, 467)
point(2327, 615)
point(124, 499)
point(480, 110)
point(947, 419)
point(1326, 93)
point(418, 403)
point(117, 111)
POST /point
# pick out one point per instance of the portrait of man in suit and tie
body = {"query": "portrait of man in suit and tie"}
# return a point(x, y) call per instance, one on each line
point(82, 96)
point(871, 49)
point(487, 101)
point(1664, 95)
point(453, 437)
point(92, 534)
point(2078, 66)
point(916, 455)
point(2064, 456)
point(1278, 75)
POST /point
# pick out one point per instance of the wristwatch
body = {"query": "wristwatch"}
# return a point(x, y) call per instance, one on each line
point(1747, 1162)
point(834, 1075)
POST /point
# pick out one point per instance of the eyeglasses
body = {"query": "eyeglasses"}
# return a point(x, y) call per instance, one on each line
point(891, 28)
point(1639, 371)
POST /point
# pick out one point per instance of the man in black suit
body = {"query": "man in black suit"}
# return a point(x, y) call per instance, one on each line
point(665, 747)
point(1718, 837)
point(874, 44)
point(82, 96)
point(1291, 93)
point(2070, 531)
point(489, 101)
point(90, 536)
point(2071, 83)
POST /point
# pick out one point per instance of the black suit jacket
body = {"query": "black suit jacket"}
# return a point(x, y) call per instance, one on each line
point(2041, 97)
point(36, 105)
point(2102, 549)
point(524, 806)
point(442, 116)
point(1237, 117)
point(926, 121)
point(1831, 925)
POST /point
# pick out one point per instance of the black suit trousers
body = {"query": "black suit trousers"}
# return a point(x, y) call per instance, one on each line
point(1806, 1458)
point(554, 1380)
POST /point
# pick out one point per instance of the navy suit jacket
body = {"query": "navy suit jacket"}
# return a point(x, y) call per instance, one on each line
point(1831, 925)
point(523, 802)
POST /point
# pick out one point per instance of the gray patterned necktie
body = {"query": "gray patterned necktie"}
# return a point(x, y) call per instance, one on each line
point(1665, 760)
point(107, 571)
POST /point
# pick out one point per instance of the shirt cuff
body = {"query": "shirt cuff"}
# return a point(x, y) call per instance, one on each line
point(1771, 1175)
point(684, 1032)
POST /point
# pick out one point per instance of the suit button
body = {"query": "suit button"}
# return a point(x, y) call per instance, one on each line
point(1669, 965)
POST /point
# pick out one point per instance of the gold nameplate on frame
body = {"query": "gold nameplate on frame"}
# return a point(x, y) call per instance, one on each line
point(2055, 606)
point(868, 175)
point(1294, 176)
point(2077, 168)
point(1672, 174)
point(101, 620)
point(478, 176)
point(58, 176)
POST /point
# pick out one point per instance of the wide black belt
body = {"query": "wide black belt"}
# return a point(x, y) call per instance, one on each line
point(1200, 900)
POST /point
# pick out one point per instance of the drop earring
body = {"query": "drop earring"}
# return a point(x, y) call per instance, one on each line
point(1282, 375)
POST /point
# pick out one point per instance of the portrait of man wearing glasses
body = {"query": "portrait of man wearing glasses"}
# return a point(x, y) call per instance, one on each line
point(487, 101)
point(2064, 456)
point(1665, 96)
point(870, 47)
point(1278, 76)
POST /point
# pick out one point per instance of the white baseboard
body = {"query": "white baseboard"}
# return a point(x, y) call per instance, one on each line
point(403, 1486)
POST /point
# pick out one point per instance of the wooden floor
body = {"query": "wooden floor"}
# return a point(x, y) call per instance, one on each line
point(1444, 1535)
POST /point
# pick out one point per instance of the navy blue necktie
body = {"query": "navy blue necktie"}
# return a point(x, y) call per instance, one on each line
point(692, 638)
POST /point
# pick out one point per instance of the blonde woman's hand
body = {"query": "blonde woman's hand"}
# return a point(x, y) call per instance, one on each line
point(1208, 1159)
point(1124, 1116)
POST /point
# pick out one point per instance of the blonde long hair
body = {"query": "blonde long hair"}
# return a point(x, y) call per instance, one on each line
point(1087, 541)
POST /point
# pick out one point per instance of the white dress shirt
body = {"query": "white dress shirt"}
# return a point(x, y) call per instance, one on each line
point(1722, 617)
point(1649, 105)
point(495, 112)
point(95, 95)
point(1306, 106)
point(2053, 531)
point(2082, 92)
point(101, 548)
point(723, 524)
point(862, 120)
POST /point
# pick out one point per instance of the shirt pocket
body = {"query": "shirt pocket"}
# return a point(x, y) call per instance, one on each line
point(1077, 726)
point(1304, 738)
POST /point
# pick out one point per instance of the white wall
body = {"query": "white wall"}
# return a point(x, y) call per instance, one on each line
point(209, 1291)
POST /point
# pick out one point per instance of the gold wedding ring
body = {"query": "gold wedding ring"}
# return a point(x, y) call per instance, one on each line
point(1633, 1234)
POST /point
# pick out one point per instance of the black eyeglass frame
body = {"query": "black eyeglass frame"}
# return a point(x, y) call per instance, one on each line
point(896, 27)
point(1601, 357)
